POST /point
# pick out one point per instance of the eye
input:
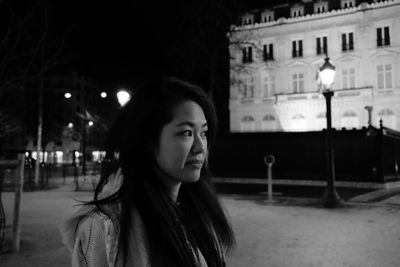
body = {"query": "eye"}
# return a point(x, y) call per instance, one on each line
point(204, 134)
point(186, 133)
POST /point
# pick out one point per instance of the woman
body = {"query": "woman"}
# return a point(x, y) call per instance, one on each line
point(155, 204)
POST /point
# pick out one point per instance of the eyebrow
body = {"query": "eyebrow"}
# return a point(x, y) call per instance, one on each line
point(189, 123)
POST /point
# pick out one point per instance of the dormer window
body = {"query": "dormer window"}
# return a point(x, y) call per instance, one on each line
point(267, 16)
point(320, 7)
point(297, 11)
point(348, 3)
point(247, 19)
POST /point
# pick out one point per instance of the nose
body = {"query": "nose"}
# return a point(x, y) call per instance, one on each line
point(199, 144)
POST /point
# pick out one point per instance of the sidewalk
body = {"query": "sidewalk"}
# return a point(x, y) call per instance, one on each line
point(289, 232)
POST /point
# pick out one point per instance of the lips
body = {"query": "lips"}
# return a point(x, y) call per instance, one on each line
point(195, 163)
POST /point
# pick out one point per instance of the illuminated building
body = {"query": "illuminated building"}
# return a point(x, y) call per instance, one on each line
point(276, 54)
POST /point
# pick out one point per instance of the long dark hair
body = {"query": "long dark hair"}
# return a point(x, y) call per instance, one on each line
point(133, 139)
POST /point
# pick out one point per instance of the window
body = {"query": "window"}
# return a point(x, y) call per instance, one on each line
point(297, 11)
point(298, 82)
point(297, 48)
point(247, 54)
point(247, 124)
point(268, 85)
point(322, 45)
point(348, 78)
point(320, 7)
point(267, 16)
point(347, 41)
point(388, 118)
point(382, 36)
point(269, 123)
point(349, 120)
point(248, 88)
point(348, 3)
point(247, 19)
point(299, 123)
point(384, 76)
point(268, 52)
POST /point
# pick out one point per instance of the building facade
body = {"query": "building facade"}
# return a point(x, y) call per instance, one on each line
point(276, 54)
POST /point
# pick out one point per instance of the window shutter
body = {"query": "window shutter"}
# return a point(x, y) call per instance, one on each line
point(250, 55)
point(300, 48)
point(294, 49)
point(379, 36)
point(271, 51)
point(387, 37)
point(351, 41)
point(344, 45)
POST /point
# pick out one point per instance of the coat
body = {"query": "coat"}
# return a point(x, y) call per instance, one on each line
point(92, 237)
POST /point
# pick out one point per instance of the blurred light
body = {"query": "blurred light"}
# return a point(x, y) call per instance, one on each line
point(103, 94)
point(327, 73)
point(67, 95)
point(70, 125)
point(123, 97)
point(90, 123)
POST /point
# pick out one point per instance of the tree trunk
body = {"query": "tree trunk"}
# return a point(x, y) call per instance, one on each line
point(39, 134)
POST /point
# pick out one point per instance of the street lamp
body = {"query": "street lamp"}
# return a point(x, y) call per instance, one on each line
point(123, 97)
point(331, 198)
point(69, 95)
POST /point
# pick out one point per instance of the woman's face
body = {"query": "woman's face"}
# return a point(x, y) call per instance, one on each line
point(182, 147)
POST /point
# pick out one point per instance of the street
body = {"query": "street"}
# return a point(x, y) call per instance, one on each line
point(289, 232)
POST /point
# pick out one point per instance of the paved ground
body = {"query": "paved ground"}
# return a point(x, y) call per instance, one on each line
point(289, 232)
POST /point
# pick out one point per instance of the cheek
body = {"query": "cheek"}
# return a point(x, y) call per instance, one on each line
point(180, 153)
point(173, 155)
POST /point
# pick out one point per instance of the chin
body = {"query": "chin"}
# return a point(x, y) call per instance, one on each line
point(191, 178)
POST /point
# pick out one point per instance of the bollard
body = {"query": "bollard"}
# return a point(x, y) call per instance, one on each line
point(269, 161)
point(19, 185)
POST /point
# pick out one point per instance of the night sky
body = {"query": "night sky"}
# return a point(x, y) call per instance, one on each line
point(117, 42)
point(104, 39)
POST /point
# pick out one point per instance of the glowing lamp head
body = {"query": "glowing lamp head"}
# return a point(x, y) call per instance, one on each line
point(327, 73)
point(123, 97)
point(103, 94)
point(67, 95)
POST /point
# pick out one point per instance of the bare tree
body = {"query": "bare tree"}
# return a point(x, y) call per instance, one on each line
point(27, 48)
point(8, 125)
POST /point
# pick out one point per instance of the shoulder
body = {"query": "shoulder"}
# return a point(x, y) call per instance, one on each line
point(88, 223)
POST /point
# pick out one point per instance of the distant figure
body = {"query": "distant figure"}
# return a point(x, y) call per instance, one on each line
point(155, 204)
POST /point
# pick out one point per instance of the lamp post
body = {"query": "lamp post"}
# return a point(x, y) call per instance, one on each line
point(123, 97)
point(68, 95)
point(331, 198)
